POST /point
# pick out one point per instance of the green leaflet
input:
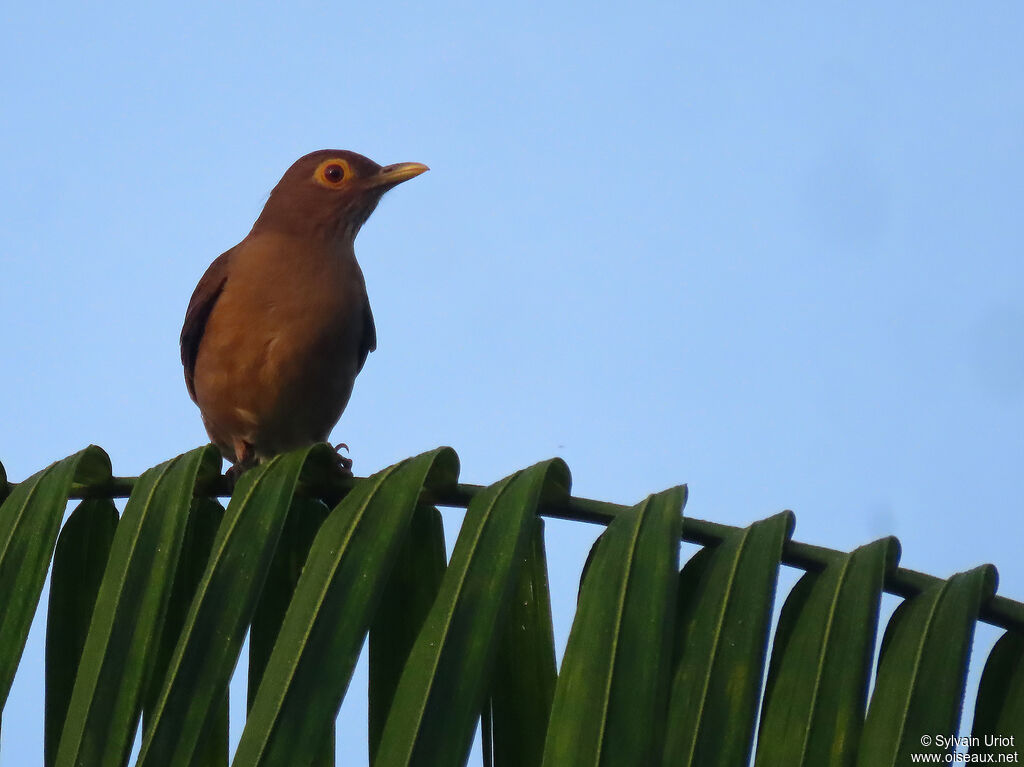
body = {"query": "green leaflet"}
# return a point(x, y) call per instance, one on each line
point(300, 528)
point(78, 564)
point(442, 688)
point(211, 639)
point(615, 673)
point(106, 702)
point(523, 684)
point(411, 590)
point(922, 669)
point(725, 605)
point(304, 520)
point(345, 574)
point(203, 520)
point(817, 685)
point(1000, 706)
point(29, 521)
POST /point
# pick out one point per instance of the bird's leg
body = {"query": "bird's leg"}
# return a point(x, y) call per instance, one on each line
point(245, 458)
point(344, 462)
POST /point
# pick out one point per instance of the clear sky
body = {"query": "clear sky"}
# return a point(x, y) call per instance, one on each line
point(773, 251)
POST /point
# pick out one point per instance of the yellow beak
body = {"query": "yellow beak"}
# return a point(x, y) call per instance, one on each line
point(390, 175)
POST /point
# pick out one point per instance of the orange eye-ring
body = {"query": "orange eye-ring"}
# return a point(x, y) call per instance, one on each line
point(331, 173)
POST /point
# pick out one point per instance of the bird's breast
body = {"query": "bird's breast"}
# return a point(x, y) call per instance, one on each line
point(282, 342)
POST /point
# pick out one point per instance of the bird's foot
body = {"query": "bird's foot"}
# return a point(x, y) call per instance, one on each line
point(344, 462)
point(233, 473)
point(245, 459)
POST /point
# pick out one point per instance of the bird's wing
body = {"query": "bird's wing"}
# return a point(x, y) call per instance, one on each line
point(368, 342)
point(203, 300)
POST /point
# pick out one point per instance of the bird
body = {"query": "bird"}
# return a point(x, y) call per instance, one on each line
point(280, 325)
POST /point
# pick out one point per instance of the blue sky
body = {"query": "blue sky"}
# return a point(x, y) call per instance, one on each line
point(770, 250)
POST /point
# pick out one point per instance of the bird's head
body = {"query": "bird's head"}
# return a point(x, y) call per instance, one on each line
point(330, 193)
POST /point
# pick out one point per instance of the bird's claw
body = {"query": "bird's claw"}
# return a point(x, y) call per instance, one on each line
point(344, 462)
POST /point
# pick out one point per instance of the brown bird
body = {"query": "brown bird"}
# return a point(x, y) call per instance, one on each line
point(280, 325)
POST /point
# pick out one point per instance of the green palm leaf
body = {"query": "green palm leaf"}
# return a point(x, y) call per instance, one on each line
point(147, 617)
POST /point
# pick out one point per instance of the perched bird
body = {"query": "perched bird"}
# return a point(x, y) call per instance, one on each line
point(280, 325)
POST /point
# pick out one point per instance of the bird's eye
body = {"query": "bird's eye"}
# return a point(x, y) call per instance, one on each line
point(334, 173)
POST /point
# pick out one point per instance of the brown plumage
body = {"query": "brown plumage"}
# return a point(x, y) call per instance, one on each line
point(280, 325)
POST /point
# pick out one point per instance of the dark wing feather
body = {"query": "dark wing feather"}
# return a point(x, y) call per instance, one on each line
point(368, 342)
point(203, 300)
